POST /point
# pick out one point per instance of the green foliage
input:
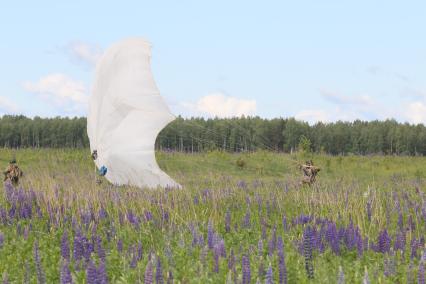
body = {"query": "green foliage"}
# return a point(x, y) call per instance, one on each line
point(304, 144)
point(245, 134)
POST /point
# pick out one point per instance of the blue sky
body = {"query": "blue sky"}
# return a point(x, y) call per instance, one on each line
point(315, 60)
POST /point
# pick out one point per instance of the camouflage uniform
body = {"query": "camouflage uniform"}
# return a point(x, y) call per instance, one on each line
point(13, 173)
point(309, 172)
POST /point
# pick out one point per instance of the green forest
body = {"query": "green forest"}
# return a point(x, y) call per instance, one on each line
point(233, 135)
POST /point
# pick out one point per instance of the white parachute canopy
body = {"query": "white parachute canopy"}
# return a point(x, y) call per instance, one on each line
point(126, 113)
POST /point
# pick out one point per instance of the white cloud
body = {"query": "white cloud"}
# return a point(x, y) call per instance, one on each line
point(345, 100)
point(8, 106)
point(313, 116)
point(60, 90)
point(84, 53)
point(220, 105)
point(416, 112)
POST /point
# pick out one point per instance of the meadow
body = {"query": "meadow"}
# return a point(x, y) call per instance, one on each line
point(364, 221)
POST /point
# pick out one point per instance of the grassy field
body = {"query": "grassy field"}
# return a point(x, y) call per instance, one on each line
point(364, 218)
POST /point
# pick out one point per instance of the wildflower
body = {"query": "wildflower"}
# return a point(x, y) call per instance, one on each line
point(307, 249)
point(148, 273)
point(383, 242)
point(421, 273)
point(120, 245)
point(210, 234)
point(78, 249)
point(159, 272)
point(65, 247)
point(216, 254)
point(102, 277)
point(246, 270)
point(269, 276)
point(246, 223)
point(65, 276)
point(39, 269)
point(91, 273)
point(281, 261)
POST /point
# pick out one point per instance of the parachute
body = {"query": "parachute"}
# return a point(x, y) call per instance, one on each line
point(126, 113)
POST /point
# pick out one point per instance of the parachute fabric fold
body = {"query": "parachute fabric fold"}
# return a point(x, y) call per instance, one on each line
point(126, 113)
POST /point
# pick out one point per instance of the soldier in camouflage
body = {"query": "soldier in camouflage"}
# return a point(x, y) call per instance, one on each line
point(309, 172)
point(13, 173)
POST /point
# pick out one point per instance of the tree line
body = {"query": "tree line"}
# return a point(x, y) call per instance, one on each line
point(234, 135)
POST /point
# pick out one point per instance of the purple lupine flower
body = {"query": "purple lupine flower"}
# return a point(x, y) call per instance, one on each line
point(281, 262)
point(159, 272)
point(247, 222)
point(349, 236)
point(1, 240)
point(41, 278)
point(133, 262)
point(100, 250)
point(271, 247)
point(148, 273)
point(222, 249)
point(88, 248)
point(91, 273)
point(414, 245)
point(274, 237)
point(120, 246)
point(400, 221)
point(210, 235)
point(421, 273)
point(332, 238)
point(148, 216)
point(78, 249)
point(359, 243)
point(26, 232)
point(228, 221)
point(307, 250)
point(65, 247)
point(400, 241)
point(140, 252)
point(269, 276)
point(264, 236)
point(242, 184)
point(216, 254)
point(102, 277)
point(65, 276)
point(285, 223)
point(383, 243)
point(246, 270)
